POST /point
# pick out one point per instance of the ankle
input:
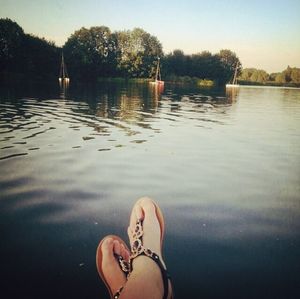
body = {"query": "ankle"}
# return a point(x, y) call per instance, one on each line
point(145, 267)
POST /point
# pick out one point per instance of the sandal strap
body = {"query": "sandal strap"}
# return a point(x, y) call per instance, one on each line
point(118, 293)
point(138, 249)
point(124, 265)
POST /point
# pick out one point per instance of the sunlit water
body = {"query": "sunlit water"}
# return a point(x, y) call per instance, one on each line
point(225, 169)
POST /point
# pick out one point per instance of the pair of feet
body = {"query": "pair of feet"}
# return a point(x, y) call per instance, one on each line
point(145, 273)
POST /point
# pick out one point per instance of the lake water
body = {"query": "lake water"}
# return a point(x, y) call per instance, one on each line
point(224, 167)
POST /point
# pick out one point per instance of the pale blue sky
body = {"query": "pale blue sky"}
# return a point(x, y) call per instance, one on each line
point(263, 33)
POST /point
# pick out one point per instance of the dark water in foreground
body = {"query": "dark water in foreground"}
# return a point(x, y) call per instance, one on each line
point(225, 169)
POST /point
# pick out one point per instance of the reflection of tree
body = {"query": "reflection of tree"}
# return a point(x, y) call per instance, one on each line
point(204, 106)
point(130, 103)
point(129, 108)
point(133, 106)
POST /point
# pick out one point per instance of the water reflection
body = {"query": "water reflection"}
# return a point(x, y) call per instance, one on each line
point(223, 166)
point(64, 86)
point(232, 94)
point(107, 109)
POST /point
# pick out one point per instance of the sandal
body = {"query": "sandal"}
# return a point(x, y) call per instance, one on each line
point(138, 249)
point(124, 265)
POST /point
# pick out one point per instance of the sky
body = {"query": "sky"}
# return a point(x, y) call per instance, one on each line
point(264, 34)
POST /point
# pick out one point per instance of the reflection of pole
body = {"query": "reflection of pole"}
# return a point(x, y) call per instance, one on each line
point(156, 91)
point(231, 94)
point(64, 86)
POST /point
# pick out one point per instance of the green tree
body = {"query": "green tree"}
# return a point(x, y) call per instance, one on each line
point(137, 53)
point(25, 54)
point(197, 65)
point(91, 53)
point(219, 67)
point(96, 52)
point(176, 63)
point(295, 75)
point(11, 39)
point(259, 76)
point(39, 57)
point(123, 57)
point(228, 62)
point(280, 78)
point(287, 73)
point(272, 76)
point(246, 74)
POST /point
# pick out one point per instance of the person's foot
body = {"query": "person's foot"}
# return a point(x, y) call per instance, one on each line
point(145, 210)
point(107, 264)
point(153, 230)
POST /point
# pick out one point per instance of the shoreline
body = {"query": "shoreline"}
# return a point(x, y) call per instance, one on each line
point(10, 77)
point(268, 86)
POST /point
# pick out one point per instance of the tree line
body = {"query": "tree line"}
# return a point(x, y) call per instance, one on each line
point(288, 76)
point(25, 55)
point(99, 52)
point(218, 67)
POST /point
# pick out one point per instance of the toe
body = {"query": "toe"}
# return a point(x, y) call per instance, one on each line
point(108, 266)
point(107, 246)
point(117, 247)
point(124, 253)
point(127, 255)
point(138, 212)
point(148, 204)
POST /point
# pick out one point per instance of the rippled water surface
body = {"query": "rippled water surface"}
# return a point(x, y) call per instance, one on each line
point(224, 167)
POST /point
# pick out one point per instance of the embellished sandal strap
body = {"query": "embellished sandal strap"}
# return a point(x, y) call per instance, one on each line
point(138, 249)
point(124, 265)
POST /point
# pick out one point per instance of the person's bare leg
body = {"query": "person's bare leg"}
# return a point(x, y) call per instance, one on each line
point(145, 281)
